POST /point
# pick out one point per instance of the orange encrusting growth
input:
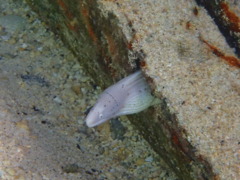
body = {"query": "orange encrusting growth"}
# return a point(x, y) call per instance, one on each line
point(72, 24)
point(231, 60)
point(112, 46)
point(232, 18)
point(65, 9)
point(85, 13)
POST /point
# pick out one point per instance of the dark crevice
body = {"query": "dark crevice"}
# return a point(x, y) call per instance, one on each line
point(226, 20)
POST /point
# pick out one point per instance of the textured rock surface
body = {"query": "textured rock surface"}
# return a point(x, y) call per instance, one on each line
point(189, 65)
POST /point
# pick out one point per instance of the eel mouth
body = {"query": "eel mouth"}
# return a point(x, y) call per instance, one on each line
point(93, 120)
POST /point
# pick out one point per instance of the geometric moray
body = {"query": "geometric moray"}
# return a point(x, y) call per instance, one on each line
point(128, 96)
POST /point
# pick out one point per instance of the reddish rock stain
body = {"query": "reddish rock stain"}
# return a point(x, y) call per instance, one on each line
point(143, 64)
point(232, 18)
point(112, 46)
point(85, 13)
point(188, 25)
point(195, 11)
point(65, 9)
point(231, 60)
point(178, 141)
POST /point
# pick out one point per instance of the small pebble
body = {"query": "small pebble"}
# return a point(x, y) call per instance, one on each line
point(57, 99)
point(12, 41)
point(24, 45)
point(23, 124)
point(77, 90)
point(5, 38)
point(140, 162)
point(149, 159)
point(40, 48)
point(12, 23)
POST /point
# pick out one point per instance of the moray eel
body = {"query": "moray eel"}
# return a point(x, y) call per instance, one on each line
point(128, 96)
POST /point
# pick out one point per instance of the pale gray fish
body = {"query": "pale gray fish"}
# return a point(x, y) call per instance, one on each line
point(128, 96)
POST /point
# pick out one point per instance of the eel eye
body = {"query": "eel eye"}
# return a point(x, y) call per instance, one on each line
point(100, 115)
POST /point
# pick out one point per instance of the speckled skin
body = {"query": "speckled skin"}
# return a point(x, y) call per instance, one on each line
point(128, 96)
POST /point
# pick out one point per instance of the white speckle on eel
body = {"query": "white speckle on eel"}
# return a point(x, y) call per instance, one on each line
point(130, 95)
